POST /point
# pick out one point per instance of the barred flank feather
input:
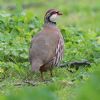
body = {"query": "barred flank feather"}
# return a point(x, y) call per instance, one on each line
point(59, 52)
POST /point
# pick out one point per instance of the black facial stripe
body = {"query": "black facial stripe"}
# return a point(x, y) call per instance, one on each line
point(48, 18)
point(53, 13)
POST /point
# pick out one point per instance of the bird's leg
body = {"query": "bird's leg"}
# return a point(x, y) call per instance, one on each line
point(42, 78)
point(51, 73)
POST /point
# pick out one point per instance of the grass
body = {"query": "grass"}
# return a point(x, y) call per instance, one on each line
point(80, 27)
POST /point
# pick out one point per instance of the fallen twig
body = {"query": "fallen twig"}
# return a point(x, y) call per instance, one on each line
point(20, 84)
point(75, 64)
point(30, 83)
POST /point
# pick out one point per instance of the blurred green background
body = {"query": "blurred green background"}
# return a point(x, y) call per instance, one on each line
point(81, 13)
point(80, 27)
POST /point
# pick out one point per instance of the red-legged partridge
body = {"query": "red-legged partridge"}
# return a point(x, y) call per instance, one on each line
point(47, 46)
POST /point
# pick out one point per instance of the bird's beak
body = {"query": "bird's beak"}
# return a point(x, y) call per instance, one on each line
point(59, 13)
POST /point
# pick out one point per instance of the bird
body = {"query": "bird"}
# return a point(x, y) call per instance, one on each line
point(47, 46)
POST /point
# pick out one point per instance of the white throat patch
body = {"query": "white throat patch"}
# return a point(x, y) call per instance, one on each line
point(54, 17)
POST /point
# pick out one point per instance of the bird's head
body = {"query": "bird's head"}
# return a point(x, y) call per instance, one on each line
point(51, 16)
